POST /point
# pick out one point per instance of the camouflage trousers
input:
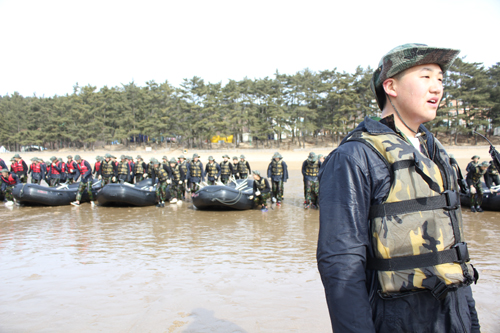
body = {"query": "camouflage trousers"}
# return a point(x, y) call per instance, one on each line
point(278, 189)
point(54, 182)
point(8, 193)
point(312, 191)
point(261, 199)
point(477, 198)
point(224, 179)
point(194, 187)
point(22, 177)
point(105, 180)
point(139, 178)
point(82, 187)
point(36, 179)
point(176, 190)
point(243, 175)
point(161, 191)
point(211, 182)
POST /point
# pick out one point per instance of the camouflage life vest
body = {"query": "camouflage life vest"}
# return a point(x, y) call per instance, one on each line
point(235, 168)
point(183, 167)
point(195, 169)
point(123, 168)
point(107, 168)
point(176, 173)
point(150, 169)
point(138, 168)
point(261, 184)
point(225, 170)
point(212, 169)
point(277, 168)
point(492, 170)
point(161, 174)
point(477, 173)
point(312, 168)
point(417, 236)
point(242, 167)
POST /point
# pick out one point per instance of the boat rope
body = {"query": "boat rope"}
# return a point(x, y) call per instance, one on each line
point(229, 202)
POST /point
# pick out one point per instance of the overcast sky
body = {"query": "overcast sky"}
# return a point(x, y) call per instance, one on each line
point(47, 46)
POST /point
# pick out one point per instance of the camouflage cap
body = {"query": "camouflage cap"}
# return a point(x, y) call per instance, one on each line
point(181, 156)
point(235, 157)
point(33, 159)
point(77, 157)
point(173, 160)
point(320, 156)
point(154, 161)
point(277, 155)
point(485, 164)
point(242, 156)
point(53, 158)
point(475, 156)
point(13, 159)
point(138, 157)
point(164, 158)
point(108, 155)
point(59, 159)
point(122, 157)
point(17, 156)
point(69, 156)
point(256, 172)
point(210, 158)
point(225, 156)
point(406, 56)
point(4, 170)
point(196, 155)
point(312, 154)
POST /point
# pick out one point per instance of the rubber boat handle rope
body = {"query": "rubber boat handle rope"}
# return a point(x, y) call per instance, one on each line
point(231, 202)
point(493, 152)
point(21, 193)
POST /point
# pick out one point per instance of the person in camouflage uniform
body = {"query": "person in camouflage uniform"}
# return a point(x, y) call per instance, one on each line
point(140, 169)
point(108, 170)
point(183, 166)
point(261, 191)
point(235, 167)
point(85, 170)
point(491, 176)
point(310, 171)
point(196, 173)
point(277, 171)
point(8, 181)
point(176, 185)
point(474, 174)
point(243, 167)
point(212, 171)
point(226, 169)
point(163, 181)
point(391, 251)
point(20, 168)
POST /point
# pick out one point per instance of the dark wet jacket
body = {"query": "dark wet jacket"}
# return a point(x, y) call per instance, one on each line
point(353, 178)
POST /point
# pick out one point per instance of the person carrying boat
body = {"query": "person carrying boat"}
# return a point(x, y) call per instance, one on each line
point(97, 171)
point(54, 172)
point(85, 170)
point(140, 169)
point(36, 171)
point(109, 170)
point(212, 170)
point(491, 176)
point(177, 184)
point(183, 166)
point(165, 164)
point(243, 167)
point(226, 169)
point(9, 180)
point(391, 252)
point(196, 173)
point(235, 167)
point(310, 171)
point(123, 169)
point(474, 175)
point(261, 191)
point(72, 170)
point(163, 181)
point(277, 171)
point(20, 168)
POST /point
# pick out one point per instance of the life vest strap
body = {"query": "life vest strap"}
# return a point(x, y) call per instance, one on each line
point(457, 254)
point(448, 200)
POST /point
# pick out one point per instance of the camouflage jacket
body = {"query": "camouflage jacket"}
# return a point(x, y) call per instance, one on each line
point(345, 243)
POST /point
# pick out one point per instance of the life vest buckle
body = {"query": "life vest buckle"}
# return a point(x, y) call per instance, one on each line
point(440, 290)
point(452, 199)
point(462, 252)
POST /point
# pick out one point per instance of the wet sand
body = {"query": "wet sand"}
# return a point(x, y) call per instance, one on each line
point(178, 269)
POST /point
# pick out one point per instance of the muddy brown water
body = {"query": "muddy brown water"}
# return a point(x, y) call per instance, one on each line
point(178, 269)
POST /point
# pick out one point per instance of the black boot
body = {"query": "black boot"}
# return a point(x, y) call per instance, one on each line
point(473, 209)
point(479, 209)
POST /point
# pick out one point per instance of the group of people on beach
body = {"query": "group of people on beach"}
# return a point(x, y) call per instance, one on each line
point(177, 175)
point(476, 171)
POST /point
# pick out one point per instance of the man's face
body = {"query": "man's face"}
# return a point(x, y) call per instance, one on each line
point(475, 160)
point(419, 92)
point(225, 159)
point(235, 161)
point(69, 160)
point(17, 159)
point(195, 159)
point(276, 159)
point(172, 165)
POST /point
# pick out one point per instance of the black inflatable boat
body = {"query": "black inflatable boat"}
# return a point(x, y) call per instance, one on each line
point(51, 196)
point(140, 194)
point(491, 201)
point(220, 197)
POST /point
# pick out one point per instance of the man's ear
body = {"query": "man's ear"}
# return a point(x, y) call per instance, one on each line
point(390, 87)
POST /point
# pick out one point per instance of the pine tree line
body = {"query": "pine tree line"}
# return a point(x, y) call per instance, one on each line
point(307, 105)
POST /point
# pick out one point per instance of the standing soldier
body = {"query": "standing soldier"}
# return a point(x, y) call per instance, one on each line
point(72, 170)
point(311, 155)
point(109, 170)
point(243, 167)
point(37, 171)
point(226, 170)
point(310, 171)
point(8, 181)
point(123, 170)
point(85, 170)
point(54, 172)
point(473, 164)
point(20, 168)
point(261, 191)
point(64, 171)
point(131, 164)
point(235, 167)
point(163, 180)
point(176, 185)
point(474, 175)
point(212, 171)
point(196, 174)
point(140, 169)
point(98, 167)
point(491, 176)
point(277, 171)
point(183, 166)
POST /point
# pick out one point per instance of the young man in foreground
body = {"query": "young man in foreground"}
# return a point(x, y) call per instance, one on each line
point(391, 252)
